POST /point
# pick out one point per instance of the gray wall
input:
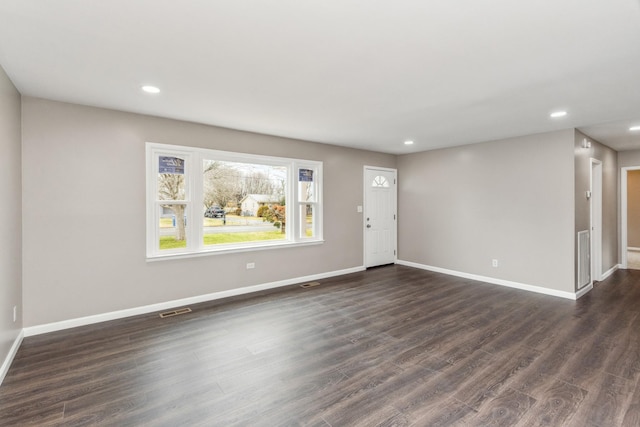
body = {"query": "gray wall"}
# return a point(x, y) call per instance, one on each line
point(609, 159)
point(84, 213)
point(633, 209)
point(511, 200)
point(10, 215)
point(628, 159)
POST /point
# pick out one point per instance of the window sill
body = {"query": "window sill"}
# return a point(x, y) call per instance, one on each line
point(227, 250)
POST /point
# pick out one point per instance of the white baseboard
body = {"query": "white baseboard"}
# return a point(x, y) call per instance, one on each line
point(97, 318)
point(584, 290)
point(12, 353)
point(492, 280)
point(610, 271)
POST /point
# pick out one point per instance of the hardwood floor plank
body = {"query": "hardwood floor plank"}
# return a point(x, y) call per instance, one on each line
point(389, 346)
point(534, 380)
point(608, 405)
point(373, 400)
point(632, 415)
point(449, 412)
point(455, 377)
point(489, 382)
point(38, 414)
point(624, 357)
point(559, 403)
point(506, 409)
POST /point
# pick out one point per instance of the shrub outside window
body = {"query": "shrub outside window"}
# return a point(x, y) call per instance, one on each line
point(203, 201)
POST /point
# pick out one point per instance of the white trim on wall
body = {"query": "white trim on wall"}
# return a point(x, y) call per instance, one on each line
point(583, 290)
point(623, 212)
point(190, 161)
point(595, 218)
point(104, 317)
point(610, 271)
point(12, 354)
point(501, 282)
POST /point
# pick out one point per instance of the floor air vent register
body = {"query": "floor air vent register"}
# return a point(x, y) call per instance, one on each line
point(175, 312)
point(310, 284)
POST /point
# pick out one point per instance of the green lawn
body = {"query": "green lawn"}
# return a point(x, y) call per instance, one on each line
point(167, 222)
point(219, 238)
point(169, 242)
point(309, 231)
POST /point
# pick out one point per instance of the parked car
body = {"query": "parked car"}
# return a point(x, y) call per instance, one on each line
point(214, 212)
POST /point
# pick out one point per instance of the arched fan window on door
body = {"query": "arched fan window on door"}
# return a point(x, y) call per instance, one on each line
point(380, 181)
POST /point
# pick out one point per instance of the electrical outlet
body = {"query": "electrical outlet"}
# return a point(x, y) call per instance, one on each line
point(251, 265)
point(494, 262)
point(15, 313)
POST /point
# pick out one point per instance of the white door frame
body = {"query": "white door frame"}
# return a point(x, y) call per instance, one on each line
point(595, 218)
point(624, 241)
point(365, 187)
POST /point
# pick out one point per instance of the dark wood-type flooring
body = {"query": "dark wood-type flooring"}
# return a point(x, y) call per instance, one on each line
point(391, 346)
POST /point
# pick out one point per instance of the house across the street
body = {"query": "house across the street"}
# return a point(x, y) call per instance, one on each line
point(252, 202)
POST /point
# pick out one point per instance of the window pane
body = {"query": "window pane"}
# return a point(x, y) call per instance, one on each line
point(380, 181)
point(173, 226)
point(171, 184)
point(306, 221)
point(244, 202)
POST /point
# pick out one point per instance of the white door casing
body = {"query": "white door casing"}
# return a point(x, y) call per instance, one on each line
point(595, 206)
point(624, 246)
point(380, 218)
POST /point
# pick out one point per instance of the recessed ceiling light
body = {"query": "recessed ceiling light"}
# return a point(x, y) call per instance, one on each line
point(558, 114)
point(408, 142)
point(150, 89)
point(634, 128)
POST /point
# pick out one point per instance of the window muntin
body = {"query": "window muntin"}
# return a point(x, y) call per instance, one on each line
point(210, 195)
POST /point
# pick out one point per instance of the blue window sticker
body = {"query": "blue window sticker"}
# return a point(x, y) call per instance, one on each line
point(305, 175)
point(173, 165)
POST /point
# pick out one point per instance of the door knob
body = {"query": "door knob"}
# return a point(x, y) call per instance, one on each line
point(368, 225)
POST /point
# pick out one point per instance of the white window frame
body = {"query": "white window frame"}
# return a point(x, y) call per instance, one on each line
point(194, 185)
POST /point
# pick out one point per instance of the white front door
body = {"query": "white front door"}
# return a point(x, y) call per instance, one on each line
point(380, 221)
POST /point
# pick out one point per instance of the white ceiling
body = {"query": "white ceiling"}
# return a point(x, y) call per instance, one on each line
point(360, 73)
